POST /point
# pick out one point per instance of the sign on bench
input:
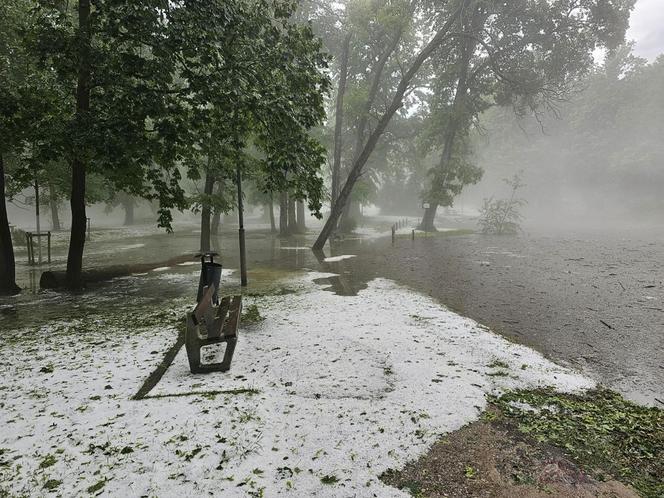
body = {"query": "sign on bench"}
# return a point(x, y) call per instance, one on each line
point(209, 324)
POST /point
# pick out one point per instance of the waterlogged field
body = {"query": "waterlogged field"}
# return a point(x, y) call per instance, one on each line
point(326, 391)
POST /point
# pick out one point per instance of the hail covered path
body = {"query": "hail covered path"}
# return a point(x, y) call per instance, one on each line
point(323, 396)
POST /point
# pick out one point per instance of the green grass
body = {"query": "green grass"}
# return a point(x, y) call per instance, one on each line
point(251, 315)
point(604, 433)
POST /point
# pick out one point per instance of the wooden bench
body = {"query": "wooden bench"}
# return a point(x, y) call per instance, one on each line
point(209, 324)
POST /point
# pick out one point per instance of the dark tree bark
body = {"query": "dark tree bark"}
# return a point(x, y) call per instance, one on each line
point(427, 223)
point(206, 213)
point(128, 205)
point(292, 221)
point(373, 91)
point(53, 203)
point(273, 227)
point(338, 120)
point(78, 166)
point(283, 214)
point(7, 264)
point(397, 100)
point(301, 224)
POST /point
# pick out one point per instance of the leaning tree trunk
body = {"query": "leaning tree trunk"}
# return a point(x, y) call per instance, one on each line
point(283, 214)
point(292, 221)
point(78, 166)
point(367, 150)
point(53, 203)
point(301, 224)
point(206, 213)
point(7, 264)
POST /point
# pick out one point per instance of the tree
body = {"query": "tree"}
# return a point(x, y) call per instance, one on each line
point(157, 84)
point(524, 54)
point(502, 216)
point(128, 120)
point(20, 96)
point(600, 156)
point(536, 47)
point(396, 102)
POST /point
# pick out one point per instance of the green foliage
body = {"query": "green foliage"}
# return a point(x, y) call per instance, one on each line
point(603, 147)
point(523, 54)
point(503, 216)
point(251, 315)
point(329, 479)
point(600, 430)
point(169, 86)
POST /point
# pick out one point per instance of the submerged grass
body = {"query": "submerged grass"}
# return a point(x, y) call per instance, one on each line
point(600, 430)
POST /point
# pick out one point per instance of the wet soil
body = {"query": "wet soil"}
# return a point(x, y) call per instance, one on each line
point(493, 460)
point(591, 302)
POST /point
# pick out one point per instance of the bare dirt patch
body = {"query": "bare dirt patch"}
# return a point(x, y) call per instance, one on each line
point(489, 458)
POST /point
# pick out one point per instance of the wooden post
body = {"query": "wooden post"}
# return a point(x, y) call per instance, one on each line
point(88, 235)
point(38, 220)
point(393, 234)
point(412, 235)
point(28, 241)
point(49, 247)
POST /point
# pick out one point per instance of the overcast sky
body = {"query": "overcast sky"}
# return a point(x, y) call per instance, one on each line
point(647, 28)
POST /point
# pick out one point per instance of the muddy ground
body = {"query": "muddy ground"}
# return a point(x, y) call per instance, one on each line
point(493, 460)
point(595, 302)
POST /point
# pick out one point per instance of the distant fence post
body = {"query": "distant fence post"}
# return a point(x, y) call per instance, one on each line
point(87, 237)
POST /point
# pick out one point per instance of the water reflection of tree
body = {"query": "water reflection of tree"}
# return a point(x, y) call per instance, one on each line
point(345, 282)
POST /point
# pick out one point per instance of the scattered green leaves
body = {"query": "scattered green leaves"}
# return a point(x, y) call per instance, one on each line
point(602, 431)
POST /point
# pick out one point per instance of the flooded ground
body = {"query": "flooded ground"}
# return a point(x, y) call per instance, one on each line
point(355, 340)
point(594, 302)
point(326, 392)
point(591, 301)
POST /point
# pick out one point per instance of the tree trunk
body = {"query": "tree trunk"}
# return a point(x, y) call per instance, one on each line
point(216, 215)
point(338, 120)
point(397, 100)
point(128, 205)
point(351, 216)
point(454, 123)
point(292, 221)
point(428, 219)
point(7, 264)
point(283, 214)
point(78, 166)
point(273, 227)
point(216, 221)
point(53, 202)
point(373, 91)
point(301, 224)
point(206, 212)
